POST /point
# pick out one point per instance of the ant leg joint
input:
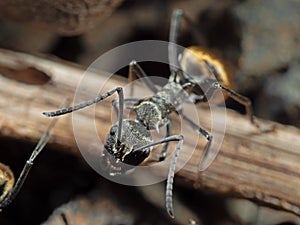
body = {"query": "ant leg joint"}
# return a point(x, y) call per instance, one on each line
point(248, 102)
point(178, 11)
point(119, 89)
point(209, 137)
point(216, 85)
point(29, 162)
point(132, 63)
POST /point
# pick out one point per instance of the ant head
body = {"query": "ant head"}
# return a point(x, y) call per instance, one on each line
point(7, 181)
point(117, 152)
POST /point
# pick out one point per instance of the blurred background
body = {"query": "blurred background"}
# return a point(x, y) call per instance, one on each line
point(258, 40)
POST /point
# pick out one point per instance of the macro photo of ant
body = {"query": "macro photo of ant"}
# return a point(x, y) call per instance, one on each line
point(251, 178)
point(154, 112)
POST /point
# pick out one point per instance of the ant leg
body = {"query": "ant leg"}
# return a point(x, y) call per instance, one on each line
point(177, 16)
point(170, 179)
point(246, 102)
point(10, 196)
point(239, 98)
point(173, 36)
point(136, 71)
point(127, 101)
point(119, 90)
point(164, 151)
point(205, 134)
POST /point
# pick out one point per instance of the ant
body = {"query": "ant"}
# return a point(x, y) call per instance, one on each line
point(9, 190)
point(129, 141)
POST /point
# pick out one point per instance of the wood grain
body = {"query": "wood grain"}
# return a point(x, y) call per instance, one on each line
point(262, 167)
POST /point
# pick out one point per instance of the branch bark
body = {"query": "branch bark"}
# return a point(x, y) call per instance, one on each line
point(263, 167)
point(71, 18)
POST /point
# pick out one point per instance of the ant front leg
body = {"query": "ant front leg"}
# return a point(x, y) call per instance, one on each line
point(119, 90)
point(172, 168)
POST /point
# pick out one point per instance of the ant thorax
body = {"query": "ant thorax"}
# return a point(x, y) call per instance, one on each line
point(154, 112)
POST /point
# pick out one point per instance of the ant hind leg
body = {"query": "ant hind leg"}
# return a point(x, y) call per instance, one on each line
point(215, 85)
point(248, 106)
point(205, 134)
